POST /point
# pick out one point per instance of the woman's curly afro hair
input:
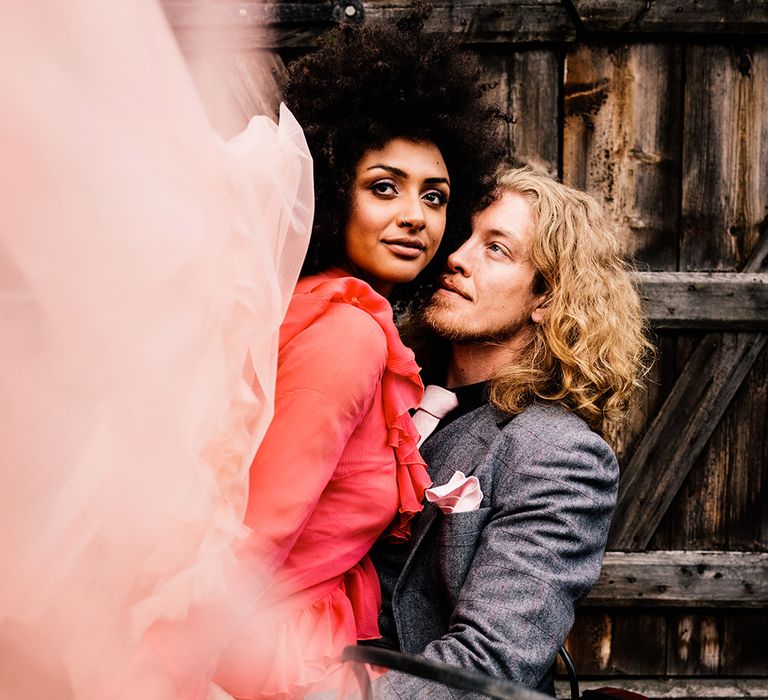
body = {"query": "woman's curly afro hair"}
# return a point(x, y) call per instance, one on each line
point(368, 84)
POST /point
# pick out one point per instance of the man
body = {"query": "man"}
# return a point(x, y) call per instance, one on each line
point(546, 340)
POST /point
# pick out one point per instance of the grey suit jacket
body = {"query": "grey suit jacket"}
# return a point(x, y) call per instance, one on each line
point(494, 590)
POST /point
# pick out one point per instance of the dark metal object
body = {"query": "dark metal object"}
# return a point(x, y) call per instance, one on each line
point(348, 12)
point(573, 679)
point(441, 673)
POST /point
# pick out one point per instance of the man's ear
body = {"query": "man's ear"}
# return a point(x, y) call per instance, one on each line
point(540, 309)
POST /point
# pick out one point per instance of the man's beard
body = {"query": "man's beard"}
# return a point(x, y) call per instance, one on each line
point(436, 317)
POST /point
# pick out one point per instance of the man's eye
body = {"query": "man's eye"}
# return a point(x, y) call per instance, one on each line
point(436, 198)
point(384, 187)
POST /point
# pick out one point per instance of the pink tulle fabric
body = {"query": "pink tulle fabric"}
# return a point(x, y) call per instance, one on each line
point(145, 268)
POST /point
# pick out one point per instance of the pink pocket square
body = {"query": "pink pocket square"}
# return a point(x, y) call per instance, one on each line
point(459, 495)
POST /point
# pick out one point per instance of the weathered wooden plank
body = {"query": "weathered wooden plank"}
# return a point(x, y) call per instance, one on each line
point(531, 134)
point(702, 300)
point(678, 688)
point(694, 644)
point(621, 141)
point(725, 149)
point(660, 642)
point(606, 642)
point(498, 76)
point(589, 641)
point(626, 433)
point(679, 432)
point(758, 259)
point(534, 133)
point(722, 504)
point(682, 579)
point(297, 24)
point(687, 16)
point(745, 640)
point(627, 657)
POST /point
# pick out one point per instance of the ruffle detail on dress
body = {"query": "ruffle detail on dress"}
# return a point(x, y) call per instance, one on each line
point(401, 384)
point(362, 587)
point(412, 477)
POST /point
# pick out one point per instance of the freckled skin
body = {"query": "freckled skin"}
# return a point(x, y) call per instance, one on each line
point(487, 292)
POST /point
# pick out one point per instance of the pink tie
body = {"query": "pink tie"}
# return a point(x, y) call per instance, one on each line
point(435, 403)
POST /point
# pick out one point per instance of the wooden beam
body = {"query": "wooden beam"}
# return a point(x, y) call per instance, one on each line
point(679, 432)
point(255, 24)
point(679, 16)
point(678, 688)
point(705, 300)
point(297, 24)
point(682, 579)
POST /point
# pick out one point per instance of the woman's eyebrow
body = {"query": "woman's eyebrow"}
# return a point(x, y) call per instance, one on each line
point(389, 168)
point(401, 173)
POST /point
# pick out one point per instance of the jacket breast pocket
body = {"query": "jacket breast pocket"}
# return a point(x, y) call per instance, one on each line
point(455, 546)
point(462, 529)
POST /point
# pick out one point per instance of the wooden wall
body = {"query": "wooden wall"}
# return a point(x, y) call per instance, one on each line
point(660, 110)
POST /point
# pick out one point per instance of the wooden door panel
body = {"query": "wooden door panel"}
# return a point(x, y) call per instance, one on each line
point(621, 141)
point(531, 130)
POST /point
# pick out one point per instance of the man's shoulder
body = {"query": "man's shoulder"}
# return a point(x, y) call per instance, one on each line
point(540, 426)
point(553, 439)
point(547, 421)
point(539, 429)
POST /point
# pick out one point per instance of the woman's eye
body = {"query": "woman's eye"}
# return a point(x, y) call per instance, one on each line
point(497, 249)
point(436, 198)
point(384, 187)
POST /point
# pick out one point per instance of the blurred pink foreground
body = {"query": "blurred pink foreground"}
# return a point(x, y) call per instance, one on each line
point(145, 267)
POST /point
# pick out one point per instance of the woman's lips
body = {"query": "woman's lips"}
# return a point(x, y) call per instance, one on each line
point(405, 248)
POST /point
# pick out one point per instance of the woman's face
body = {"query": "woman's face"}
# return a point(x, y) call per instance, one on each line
point(399, 199)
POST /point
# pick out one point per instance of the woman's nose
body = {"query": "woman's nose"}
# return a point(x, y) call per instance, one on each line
point(412, 214)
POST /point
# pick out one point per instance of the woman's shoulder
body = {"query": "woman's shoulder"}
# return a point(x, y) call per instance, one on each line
point(343, 323)
point(348, 312)
point(336, 284)
point(340, 304)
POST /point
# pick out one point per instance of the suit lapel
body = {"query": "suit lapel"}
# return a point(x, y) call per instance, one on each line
point(457, 447)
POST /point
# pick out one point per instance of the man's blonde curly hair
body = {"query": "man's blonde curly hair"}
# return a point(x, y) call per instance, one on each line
point(591, 350)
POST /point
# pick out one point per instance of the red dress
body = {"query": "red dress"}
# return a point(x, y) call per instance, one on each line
point(337, 466)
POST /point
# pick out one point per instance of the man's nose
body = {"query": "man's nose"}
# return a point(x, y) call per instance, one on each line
point(459, 260)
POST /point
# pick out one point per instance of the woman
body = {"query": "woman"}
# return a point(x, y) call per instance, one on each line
point(401, 140)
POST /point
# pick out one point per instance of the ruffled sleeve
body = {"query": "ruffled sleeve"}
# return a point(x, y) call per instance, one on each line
point(401, 385)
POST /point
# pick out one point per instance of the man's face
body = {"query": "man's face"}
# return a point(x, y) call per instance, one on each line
point(486, 294)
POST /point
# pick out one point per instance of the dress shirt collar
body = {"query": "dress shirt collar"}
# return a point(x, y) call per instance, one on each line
point(470, 397)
